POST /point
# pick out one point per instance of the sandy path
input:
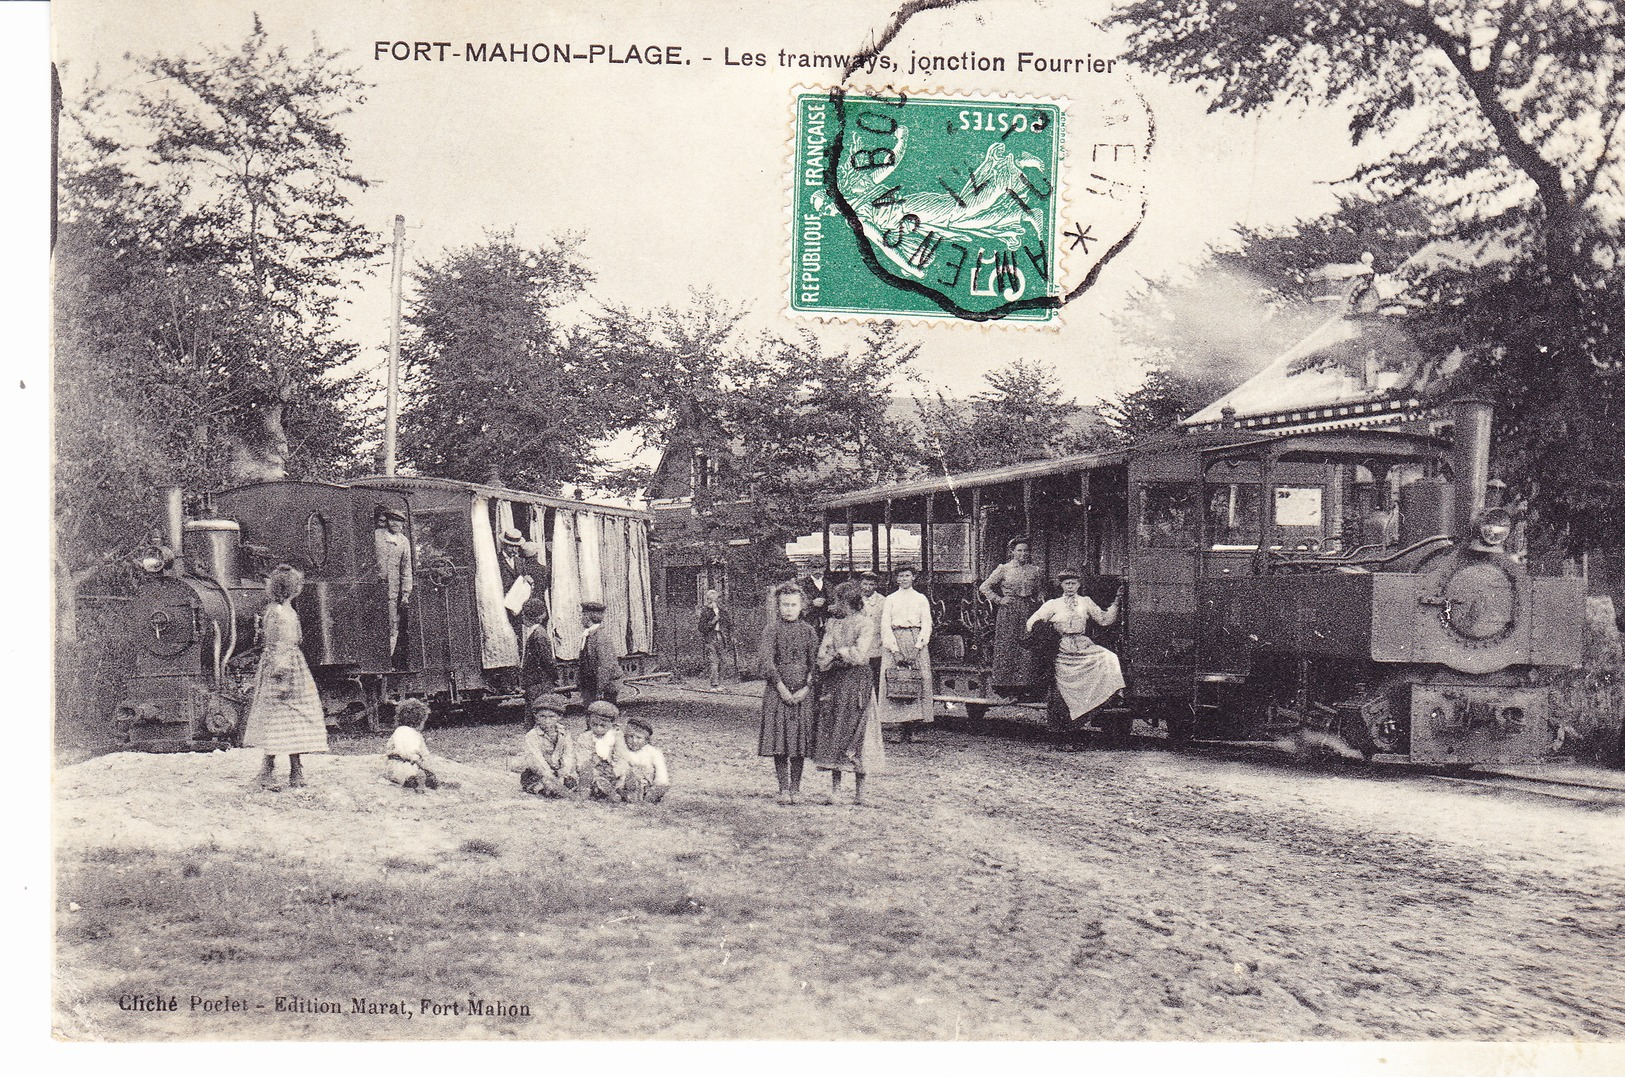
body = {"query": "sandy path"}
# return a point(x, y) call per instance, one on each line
point(996, 890)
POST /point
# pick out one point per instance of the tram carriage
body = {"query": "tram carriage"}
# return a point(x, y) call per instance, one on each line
point(194, 613)
point(1276, 584)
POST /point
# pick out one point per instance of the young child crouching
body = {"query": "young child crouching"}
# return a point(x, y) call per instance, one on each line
point(645, 778)
point(547, 763)
point(600, 753)
point(406, 755)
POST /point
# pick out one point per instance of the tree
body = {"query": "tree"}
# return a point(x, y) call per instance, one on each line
point(1517, 171)
point(248, 154)
point(1022, 414)
point(772, 424)
point(203, 242)
point(847, 403)
point(1155, 408)
point(497, 389)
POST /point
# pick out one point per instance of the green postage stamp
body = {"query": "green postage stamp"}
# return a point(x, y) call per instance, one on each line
point(926, 206)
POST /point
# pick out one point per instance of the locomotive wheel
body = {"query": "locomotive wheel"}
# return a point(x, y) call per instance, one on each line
point(1118, 726)
point(220, 724)
point(1176, 718)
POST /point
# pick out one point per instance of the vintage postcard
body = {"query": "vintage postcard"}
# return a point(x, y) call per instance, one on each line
point(990, 520)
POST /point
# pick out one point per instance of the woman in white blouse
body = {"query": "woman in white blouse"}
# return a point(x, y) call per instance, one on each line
point(1086, 674)
point(905, 637)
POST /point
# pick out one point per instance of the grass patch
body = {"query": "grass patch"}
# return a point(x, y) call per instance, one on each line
point(480, 847)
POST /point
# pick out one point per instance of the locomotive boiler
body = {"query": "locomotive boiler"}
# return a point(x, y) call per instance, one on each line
point(459, 642)
point(1339, 585)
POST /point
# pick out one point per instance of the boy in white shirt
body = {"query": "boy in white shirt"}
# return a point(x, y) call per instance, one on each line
point(646, 780)
point(406, 755)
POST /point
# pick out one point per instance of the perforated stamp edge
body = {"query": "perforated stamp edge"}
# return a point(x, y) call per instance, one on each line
point(792, 223)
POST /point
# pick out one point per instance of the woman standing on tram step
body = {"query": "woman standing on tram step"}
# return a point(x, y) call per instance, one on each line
point(1086, 674)
point(905, 637)
point(1015, 589)
point(286, 715)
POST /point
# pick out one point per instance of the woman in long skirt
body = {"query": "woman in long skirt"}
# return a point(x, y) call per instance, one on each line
point(905, 634)
point(1086, 674)
point(286, 715)
point(788, 657)
point(848, 732)
point(1015, 588)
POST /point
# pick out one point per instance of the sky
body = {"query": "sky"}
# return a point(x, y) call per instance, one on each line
point(677, 176)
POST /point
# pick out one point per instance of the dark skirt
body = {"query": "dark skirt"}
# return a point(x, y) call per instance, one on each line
point(845, 705)
point(1014, 666)
point(786, 730)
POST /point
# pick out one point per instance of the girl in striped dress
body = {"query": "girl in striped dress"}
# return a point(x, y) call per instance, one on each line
point(286, 716)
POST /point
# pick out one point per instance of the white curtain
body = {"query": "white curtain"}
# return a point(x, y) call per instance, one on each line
point(640, 604)
point(499, 646)
point(566, 595)
point(589, 549)
point(614, 570)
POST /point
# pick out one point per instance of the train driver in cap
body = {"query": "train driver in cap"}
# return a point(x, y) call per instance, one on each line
point(393, 552)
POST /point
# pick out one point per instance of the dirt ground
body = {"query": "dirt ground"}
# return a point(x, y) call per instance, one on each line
point(993, 890)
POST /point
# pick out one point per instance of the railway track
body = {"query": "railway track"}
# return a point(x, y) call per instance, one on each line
point(1605, 792)
point(1591, 794)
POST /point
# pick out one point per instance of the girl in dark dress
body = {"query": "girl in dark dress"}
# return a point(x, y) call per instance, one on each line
point(788, 657)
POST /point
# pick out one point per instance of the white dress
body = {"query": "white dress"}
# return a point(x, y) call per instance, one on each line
point(286, 716)
point(1086, 674)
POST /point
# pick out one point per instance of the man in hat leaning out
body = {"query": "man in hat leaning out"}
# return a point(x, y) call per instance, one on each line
point(524, 584)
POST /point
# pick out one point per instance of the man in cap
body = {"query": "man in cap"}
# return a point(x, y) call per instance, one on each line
point(393, 552)
point(815, 611)
point(598, 670)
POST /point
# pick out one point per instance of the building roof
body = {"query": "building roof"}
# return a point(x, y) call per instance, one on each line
point(1359, 367)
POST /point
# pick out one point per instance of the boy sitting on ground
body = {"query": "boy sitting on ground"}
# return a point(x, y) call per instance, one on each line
point(600, 753)
point(547, 764)
point(646, 780)
point(406, 755)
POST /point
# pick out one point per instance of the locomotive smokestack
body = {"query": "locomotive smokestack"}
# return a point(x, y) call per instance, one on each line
point(1470, 458)
point(174, 522)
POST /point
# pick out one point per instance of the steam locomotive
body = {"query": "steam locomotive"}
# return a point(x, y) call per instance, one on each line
point(1338, 585)
point(458, 644)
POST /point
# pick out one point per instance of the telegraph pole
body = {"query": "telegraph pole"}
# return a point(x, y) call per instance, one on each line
point(392, 405)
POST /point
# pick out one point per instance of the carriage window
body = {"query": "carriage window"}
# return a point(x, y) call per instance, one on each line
point(1298, 506)
point(950, 549)
point(1167, 516)
point(316, 535)
point(1233, 518)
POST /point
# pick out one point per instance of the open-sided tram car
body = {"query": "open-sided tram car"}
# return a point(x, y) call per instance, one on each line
point(195, 611)
point(1276, 584)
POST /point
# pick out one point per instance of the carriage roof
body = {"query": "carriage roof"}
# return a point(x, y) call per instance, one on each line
point(1214, 442)
point(478, 489)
